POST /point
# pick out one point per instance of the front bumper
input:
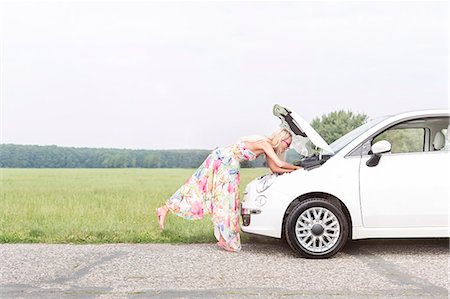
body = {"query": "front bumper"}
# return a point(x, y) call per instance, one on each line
point(262, 210)
point(248, 206)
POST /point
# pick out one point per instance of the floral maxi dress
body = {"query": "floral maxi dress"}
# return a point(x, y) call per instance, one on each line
point(214, 189)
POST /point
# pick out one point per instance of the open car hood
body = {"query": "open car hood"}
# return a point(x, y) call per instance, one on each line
point(301, 131)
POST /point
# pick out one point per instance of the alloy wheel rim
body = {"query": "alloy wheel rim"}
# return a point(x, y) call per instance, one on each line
point(317, 229)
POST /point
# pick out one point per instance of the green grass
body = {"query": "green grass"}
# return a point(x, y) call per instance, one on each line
point(97, 206)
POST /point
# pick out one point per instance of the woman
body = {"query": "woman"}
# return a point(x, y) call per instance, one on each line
point(214, 187)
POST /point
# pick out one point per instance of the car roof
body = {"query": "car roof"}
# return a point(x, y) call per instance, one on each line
point(429, 112)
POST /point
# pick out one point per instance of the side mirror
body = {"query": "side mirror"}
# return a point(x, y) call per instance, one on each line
point(381, 147)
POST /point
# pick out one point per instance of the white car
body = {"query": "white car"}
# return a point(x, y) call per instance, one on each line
point(388, 178)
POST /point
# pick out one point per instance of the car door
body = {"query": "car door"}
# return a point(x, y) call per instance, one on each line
point(409, 186)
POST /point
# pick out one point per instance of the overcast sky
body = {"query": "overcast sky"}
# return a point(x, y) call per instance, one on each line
point(159, 75)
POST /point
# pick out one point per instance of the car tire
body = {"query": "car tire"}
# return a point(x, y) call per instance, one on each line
point(316, 228)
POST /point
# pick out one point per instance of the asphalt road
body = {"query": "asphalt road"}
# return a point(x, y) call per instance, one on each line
point(266, 268)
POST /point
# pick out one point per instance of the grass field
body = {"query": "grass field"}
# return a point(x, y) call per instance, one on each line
point(97, 206)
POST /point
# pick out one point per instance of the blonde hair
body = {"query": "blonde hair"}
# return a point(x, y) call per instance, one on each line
point(274, 140)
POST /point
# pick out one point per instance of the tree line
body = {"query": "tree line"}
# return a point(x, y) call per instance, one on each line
point(330, 126)
point(36, 156)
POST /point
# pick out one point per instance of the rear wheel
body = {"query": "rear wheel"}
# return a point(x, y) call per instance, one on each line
point(316, 228)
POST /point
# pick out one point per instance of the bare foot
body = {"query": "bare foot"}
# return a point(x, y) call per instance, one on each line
point(224, 245)
point(161, 214)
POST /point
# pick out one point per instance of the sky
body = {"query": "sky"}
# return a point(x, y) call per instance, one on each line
point(196, 75)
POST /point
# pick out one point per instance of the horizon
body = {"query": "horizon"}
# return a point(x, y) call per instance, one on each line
point(179, 75)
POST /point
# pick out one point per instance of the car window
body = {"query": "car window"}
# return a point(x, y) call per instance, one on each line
point(350, 136)
point(404, 140)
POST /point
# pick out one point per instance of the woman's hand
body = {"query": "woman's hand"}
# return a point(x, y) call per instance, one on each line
point(286, 167)
point(282, 170)
point(290, 166)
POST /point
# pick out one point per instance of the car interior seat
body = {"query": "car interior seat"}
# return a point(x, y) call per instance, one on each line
point(439, 141)
point(447, 139)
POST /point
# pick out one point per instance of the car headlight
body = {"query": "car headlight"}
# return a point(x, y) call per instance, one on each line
point(265, 182)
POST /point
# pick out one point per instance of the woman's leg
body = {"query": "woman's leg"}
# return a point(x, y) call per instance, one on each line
point(189, 200)
point(161, 213)
point(220, 235)
point(222, 243)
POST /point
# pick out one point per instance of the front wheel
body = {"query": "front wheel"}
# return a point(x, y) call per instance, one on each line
point(316, 228)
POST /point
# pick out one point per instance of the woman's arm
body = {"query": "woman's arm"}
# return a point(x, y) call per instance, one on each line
point(270, 154)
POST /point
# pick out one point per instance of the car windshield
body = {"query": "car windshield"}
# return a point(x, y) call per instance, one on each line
point(347, 138)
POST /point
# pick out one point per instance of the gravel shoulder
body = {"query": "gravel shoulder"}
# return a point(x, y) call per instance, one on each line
point(264, 268)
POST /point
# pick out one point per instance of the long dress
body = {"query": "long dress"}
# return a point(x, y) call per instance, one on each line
point(214, 189)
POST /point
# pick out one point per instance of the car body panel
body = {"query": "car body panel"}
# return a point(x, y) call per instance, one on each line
point(283, 192)
point(409, 192)
point(339, 177)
